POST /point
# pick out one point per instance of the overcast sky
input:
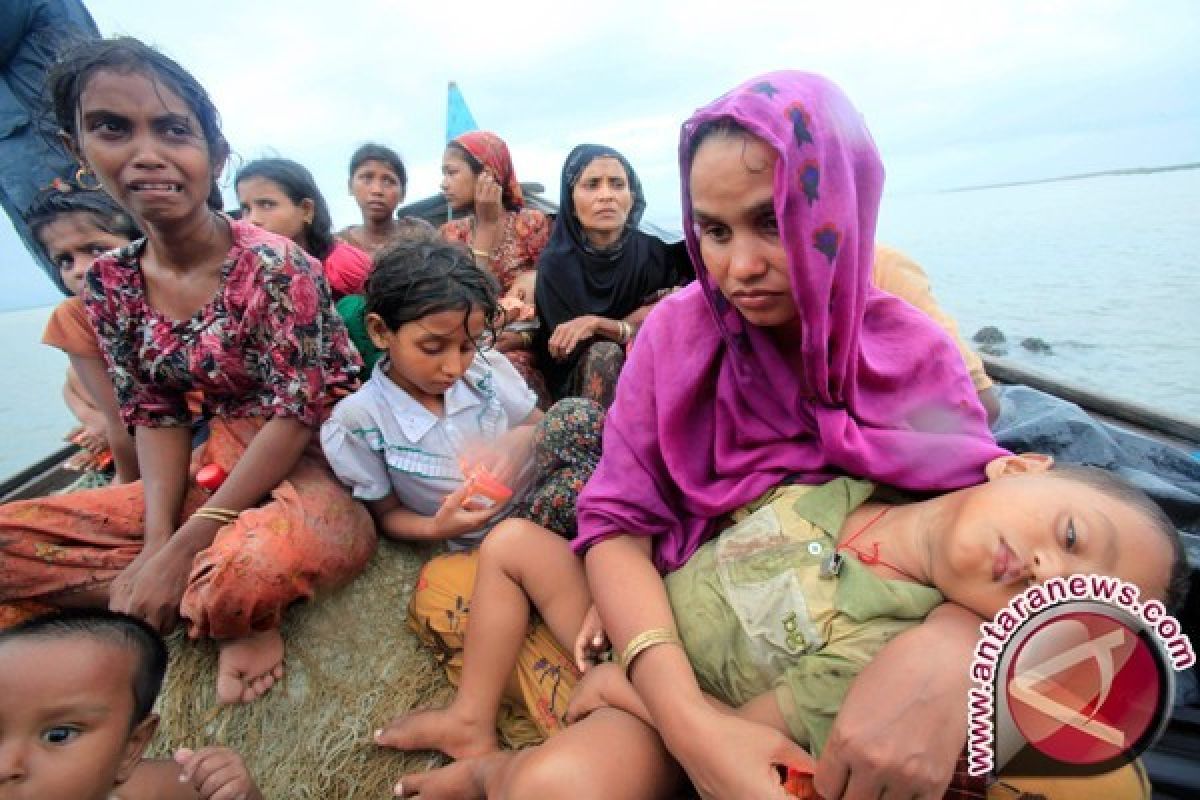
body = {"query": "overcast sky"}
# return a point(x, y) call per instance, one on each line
point(956, 93)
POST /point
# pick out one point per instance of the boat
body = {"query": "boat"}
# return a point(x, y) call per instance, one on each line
point(1173, 762)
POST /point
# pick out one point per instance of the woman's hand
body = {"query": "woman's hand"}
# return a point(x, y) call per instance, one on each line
point(122, 585)
point(592, 642)
point(488, 198)
point(569, 335)
point(729, 758)
point(903, 724)
point(153, 589)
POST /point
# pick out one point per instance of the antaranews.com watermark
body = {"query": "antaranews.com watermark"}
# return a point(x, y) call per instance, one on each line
point(1076, 674)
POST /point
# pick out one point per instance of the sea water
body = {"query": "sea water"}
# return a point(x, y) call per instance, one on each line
point(1101, 269)
point(33, 416)
point(1104, 270)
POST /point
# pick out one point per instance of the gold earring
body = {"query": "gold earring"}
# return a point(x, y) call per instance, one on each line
point(82, 173)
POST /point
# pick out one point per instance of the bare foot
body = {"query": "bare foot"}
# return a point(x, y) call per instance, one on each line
point(249, 666)
point(462, 780)
point(447, 730)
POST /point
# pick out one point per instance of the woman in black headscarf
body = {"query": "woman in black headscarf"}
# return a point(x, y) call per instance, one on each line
point(599, 276)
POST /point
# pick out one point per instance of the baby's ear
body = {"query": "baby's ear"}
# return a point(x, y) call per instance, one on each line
point(1023, 464)
point(135, 747)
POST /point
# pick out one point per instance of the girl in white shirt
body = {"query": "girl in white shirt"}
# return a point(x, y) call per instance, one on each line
point(433, 400)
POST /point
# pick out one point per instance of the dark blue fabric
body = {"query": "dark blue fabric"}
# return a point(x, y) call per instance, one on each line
point(33, 33)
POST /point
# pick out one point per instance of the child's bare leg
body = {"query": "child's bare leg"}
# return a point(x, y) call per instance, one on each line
point(605, 686)
point(610, 755)
point(519, 563)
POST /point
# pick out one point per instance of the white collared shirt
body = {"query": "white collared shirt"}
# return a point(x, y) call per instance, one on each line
point(380, 440)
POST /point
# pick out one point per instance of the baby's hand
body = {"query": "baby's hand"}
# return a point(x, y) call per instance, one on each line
point(591, 643)
point(216, 773)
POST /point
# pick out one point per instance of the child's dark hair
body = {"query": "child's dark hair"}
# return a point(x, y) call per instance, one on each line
point(123, 54)
point(384, 155)
point(411, 280)
point(1119, 489)
point(102, 211)
point(297, 183)
point(123, 630)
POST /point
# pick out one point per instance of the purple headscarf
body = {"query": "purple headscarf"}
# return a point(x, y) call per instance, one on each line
point(710, 414)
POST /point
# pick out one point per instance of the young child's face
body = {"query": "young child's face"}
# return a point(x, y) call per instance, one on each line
point(430, 354)
point(377, 190)
point(265, 204)
point(1018, 530)
point(64, 719)
point(72, 242)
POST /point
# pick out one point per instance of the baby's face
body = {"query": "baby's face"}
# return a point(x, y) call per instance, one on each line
point(64, 718)
point(1020, 530)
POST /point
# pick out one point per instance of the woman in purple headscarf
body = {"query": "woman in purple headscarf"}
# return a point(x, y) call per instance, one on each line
point(780, 364)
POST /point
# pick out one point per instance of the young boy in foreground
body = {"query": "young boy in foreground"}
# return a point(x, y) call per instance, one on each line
point(78, 690)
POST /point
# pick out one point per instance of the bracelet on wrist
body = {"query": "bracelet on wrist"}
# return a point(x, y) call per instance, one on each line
point(484, 254)
point(626, 331)
point(221, 515)
point(644, 641)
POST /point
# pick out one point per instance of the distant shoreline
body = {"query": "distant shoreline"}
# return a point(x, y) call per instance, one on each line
point(34, 307)
point(1079, 177)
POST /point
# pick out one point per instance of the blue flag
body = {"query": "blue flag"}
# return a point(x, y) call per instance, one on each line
point(458, 116)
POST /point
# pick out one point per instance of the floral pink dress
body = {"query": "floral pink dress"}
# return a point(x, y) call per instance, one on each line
point(268, 344)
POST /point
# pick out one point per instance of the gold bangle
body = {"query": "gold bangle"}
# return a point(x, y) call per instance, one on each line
point(475, 251)
point(222, 515)
point(644, 641)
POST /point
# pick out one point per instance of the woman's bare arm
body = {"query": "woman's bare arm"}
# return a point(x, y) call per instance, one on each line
point(725, 755)
point(94, 377)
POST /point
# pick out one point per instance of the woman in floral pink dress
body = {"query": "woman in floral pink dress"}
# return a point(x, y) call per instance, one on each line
point(206, 304)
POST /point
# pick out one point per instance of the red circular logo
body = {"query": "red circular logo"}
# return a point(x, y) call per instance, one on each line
point(1084, 688)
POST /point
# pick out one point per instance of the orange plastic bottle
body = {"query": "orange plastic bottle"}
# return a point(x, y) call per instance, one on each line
point(484, 490)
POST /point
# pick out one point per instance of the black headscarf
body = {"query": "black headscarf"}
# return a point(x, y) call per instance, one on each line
point(575, 279)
